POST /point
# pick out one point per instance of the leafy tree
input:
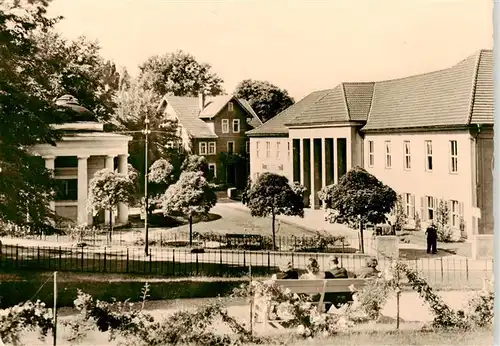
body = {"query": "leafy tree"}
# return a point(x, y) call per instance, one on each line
point(108, 188)
point(191, 195)
point(400, 217)
point(133, 104)
point(76, 68)
point(265, 98)
point(160, 177)
point(179, 74)
point(195, 163)
point(26, 187)
point(357, 199)
point(271, 194)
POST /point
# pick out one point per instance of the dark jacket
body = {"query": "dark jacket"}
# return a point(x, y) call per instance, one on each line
point(431, 232)
point(336, 273)
point(290, 274)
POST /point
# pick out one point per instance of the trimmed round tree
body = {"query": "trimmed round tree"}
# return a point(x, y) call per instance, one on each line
point(191, 195)
point(160, 177)
point(108, 188)
point(358, 198)
point(272, 195)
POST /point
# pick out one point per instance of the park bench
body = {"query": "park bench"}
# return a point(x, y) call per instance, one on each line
point(246, 241)
point(313, 287)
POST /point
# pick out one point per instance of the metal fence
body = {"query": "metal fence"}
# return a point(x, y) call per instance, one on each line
point(171, 262)
point(244, 241)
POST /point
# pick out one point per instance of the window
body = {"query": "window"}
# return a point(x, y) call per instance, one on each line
point(257, 148)
point(212, 169)
point(409, 205)
point(430, 208)
point(453, 156)
point(278, 150)
point(225, 125)
point(428, 156)
point(236, 125)
point(66, 190)
point(203, 148)
point(388, 156)
point(230, 147)
point(455, 213)
point(268, 149)
point(230, 107)
point(211, 148)
point(407, 151)
point(247, 147)
point(371, 153)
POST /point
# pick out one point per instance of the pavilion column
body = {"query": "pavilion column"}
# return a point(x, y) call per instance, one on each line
point(50, 164)
point(312, 198)
point(109, 163)
point(301, 159)
point(323, 165)
point(83, 214)
point(123, 207)
point(336, 162)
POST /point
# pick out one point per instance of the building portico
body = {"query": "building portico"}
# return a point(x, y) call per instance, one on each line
point(75, 159)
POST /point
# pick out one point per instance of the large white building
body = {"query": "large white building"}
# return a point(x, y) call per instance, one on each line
point(429, 137)
point(83, 150)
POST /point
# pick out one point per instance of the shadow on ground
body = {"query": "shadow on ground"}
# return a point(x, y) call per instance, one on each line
point(158, 220)
point(412, 254)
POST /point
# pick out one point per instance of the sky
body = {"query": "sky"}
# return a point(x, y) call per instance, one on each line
point(301, 46)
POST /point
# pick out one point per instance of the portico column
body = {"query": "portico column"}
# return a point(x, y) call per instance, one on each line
point(348, 154)
point(50, 164)
point(336, 162)
point(312, 198)
point(109, 163)
point(83, 215)
point(122, 207)
point(301, 159)
point(323, 165)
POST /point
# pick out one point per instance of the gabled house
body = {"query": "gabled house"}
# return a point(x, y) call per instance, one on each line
point(215, 127)
point(428, 136)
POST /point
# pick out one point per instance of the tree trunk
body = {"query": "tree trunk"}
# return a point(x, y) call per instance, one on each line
point(190, 230)
point(274, 231)
point(110, 225)
point(362, 236)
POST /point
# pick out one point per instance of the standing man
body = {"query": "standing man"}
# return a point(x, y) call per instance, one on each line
point(431, 238)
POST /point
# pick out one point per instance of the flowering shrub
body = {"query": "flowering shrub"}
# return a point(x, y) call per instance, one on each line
point(319, 242)
point(79, 232)
point(369, 301)
point(24, 317)
point(480, 310)
point(139, 328)
point(294, 310)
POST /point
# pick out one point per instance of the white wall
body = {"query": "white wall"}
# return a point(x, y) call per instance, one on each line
point(274, 163)
point(440, 183)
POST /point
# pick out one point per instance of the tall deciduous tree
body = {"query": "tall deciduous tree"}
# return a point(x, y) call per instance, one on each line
point(108, 188)
point(179, 74)
point(133, 104)
point(26, 113)
point(191, 195)
point(272, 195)
point(265, 98)
point(358, 198)
point(77, 68)
point(195, 163)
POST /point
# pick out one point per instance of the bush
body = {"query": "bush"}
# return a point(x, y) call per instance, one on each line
point(320, 242)
point(480, 310)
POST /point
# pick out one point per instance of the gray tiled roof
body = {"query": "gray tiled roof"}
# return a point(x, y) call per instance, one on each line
point(276, 125)
point(459, 95)
point(188, 112)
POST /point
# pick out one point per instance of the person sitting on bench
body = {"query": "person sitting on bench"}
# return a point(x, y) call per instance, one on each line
point(286, 272)
point(313, 272)
point(370, 270)
point(336, 270)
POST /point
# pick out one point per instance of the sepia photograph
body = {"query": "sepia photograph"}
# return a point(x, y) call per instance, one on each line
point(247, 172)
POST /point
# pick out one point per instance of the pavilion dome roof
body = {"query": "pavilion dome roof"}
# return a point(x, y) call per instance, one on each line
point(80, 113)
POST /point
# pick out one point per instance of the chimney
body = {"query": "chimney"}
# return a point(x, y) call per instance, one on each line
point(201, 100)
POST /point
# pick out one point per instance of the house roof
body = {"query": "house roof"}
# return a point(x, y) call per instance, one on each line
point(189, 115)
point(276, 125)
point(457, 96)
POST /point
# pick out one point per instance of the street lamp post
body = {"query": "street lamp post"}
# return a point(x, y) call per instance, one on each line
point(146, 133)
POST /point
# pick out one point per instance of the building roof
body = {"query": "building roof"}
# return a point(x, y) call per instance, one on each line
point(276, 125)
point(457, 96)
point(191, 118)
